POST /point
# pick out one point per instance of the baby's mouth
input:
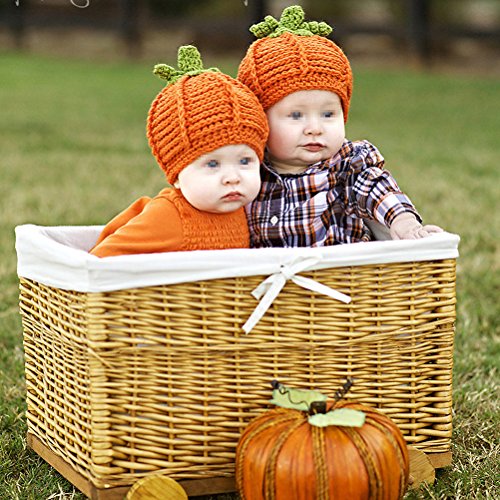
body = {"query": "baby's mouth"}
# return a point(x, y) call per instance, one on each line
point(313, 146)
point(232, 196)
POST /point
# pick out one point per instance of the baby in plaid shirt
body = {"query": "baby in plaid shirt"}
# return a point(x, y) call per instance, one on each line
point(317, 186)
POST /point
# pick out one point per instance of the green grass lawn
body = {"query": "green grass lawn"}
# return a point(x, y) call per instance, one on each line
point(73, 151)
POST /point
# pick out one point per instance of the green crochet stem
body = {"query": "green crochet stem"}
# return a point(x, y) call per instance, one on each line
point(189, 62)
point(291, 21)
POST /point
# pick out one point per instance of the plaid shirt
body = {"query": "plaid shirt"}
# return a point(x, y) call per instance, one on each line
point(326, 204)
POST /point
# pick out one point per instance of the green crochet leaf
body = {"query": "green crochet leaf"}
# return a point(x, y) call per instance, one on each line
point(189, 59)
point(319, 28)
point(189, 62)
point(167, 73)
point(296, 399)
point(344, 417)
point(293, 17)
point(292, 20)
point(265, 28)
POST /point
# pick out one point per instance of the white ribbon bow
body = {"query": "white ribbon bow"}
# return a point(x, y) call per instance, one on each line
point(271, 287)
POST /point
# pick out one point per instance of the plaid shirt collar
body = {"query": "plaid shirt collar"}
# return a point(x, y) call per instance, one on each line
point(343, 153)
point(326, 204)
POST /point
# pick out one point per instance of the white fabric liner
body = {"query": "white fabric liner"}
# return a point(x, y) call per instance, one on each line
point(58, 257)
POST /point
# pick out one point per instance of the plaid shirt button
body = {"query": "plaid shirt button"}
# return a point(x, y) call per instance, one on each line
point(274, 220)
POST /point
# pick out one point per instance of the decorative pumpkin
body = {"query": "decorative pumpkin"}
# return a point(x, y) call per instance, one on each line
point(343, 450)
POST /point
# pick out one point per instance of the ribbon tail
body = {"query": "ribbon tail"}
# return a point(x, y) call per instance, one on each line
point(263, 287)
point(314, 286)
point(272, 292)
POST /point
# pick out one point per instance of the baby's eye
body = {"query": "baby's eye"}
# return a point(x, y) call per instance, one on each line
point(295, 115)
point(246, 160)
point(328, 114)
point(212, 164)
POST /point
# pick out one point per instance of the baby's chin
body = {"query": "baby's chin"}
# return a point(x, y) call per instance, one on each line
point(313, 158)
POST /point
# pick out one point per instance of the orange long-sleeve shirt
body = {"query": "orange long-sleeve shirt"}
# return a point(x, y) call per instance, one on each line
point(168, 223)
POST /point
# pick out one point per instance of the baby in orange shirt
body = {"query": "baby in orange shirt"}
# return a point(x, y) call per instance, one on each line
point(208, 132)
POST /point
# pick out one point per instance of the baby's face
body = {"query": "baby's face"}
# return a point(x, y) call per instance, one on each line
point(305, 127)
point(222, 180)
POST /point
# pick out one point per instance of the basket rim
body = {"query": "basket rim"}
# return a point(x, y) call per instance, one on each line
point(58, 256)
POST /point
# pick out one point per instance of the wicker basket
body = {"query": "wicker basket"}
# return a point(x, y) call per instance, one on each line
point(162, 379)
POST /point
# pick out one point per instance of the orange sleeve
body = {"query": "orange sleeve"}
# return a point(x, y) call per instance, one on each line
point(155, 228)
point(122, 218)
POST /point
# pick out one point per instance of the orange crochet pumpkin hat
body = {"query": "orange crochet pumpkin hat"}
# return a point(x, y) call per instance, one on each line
point(292, 55)
point(201, 110)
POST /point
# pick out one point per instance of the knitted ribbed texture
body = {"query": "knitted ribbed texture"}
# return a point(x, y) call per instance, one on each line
point(207, 231)
point(291, 57)
point(199, 111)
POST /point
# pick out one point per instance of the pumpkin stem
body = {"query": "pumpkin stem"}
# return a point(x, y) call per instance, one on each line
point(292, 20)
point(317, 407)
point(189, 62)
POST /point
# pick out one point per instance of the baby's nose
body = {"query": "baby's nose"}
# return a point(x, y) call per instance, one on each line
point(313, 127)
point(231, 175)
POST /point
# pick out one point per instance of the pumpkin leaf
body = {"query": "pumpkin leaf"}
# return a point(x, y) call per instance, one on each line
point(344, 417)
point(296, 399)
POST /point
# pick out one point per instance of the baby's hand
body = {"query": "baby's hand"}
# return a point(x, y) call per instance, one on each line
point(406, 227)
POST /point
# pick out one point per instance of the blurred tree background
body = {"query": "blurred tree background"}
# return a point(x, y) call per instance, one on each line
point(464, 34)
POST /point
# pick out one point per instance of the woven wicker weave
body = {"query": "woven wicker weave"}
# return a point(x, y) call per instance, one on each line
point(162, 379)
